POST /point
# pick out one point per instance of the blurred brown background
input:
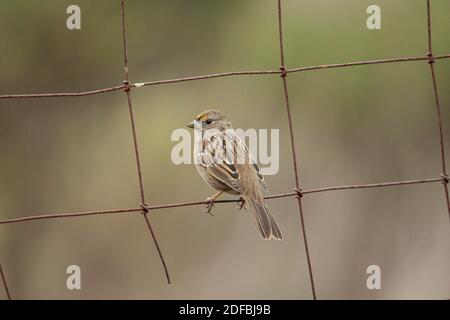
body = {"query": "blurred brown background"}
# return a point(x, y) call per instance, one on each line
point(353, 125)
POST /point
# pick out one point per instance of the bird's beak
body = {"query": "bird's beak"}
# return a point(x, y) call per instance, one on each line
point(191, 125)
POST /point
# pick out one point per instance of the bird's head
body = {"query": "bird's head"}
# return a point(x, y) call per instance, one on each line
point(211, 119)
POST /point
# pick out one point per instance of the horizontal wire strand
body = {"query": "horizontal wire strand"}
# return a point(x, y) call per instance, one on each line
point(194, 203)
point(218, 75)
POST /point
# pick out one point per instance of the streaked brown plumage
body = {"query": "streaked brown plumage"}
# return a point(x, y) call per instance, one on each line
point(233, 173)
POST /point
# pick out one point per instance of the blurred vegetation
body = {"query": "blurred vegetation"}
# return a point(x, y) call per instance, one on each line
point(353, 125)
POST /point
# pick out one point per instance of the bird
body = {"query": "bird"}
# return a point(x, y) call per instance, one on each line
point(224, 162)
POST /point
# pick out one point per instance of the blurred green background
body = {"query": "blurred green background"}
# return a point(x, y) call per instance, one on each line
point(353, 125)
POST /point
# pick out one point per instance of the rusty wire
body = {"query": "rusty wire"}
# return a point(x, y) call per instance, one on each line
point(431, 59)
point(127, 90)
point(219, 75)
point(294, 157)
point(195, 203)
point(297, 192)
point(5, 285)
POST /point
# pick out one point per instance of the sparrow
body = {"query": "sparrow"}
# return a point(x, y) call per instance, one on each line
point(225, 163)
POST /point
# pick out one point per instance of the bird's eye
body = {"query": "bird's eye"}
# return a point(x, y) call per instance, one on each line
point(209, 121)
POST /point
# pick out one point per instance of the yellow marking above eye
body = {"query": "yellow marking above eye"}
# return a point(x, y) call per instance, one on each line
point(202, 117)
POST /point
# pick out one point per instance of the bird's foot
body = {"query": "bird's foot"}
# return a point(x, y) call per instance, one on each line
point(240, 203)
point(209, 205)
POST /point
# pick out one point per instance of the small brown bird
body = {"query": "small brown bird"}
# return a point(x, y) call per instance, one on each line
point(224, 162)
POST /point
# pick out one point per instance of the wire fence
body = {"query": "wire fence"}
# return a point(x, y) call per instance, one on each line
point(297, 192)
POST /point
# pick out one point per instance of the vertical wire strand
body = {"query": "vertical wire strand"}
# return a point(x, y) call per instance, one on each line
point(292, 138)
point(166, 270)
point(5, 285)
point(135, 142)
point(130, 106)
point(438, 109)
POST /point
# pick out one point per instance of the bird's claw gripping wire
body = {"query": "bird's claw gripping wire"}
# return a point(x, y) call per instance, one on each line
point(210, 202)
point(209, 205)
point(240, 203)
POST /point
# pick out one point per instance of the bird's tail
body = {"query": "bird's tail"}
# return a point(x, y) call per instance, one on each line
point(264, 222)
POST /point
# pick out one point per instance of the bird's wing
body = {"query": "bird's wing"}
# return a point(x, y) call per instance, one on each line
point(217, 166)
point(220, 153)
point(244, 153)
point(260, 177)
